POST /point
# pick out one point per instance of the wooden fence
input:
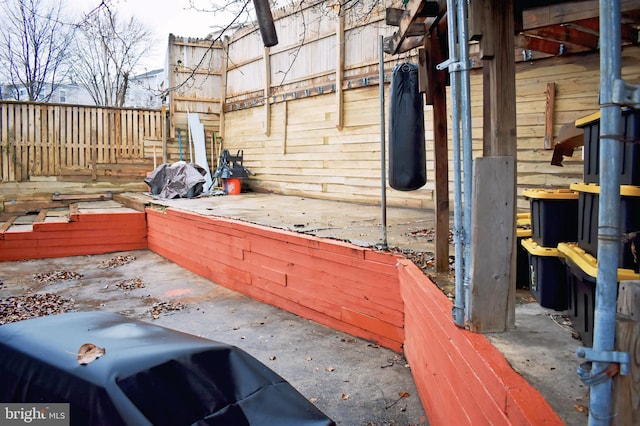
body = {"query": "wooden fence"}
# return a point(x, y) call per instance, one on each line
point(39, 139)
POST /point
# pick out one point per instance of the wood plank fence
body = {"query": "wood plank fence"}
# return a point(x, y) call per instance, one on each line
point(41, 139)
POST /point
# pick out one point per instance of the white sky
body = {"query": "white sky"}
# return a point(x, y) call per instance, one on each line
point(162, 17)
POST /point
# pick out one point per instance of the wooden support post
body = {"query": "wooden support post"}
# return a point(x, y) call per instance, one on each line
point(492, 297)
point(549, 113)
point(285, 113)
point(493, 254)
point(267, 92)
point(626, 389)
point(340, 70)
point(437, 94)
point(223, 82)
point(501, 93)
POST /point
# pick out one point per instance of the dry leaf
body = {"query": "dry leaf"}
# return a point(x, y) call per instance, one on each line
point(313, 400)
point(580, 408)
point(345, 396)
point(403, 394)
point(89, 353)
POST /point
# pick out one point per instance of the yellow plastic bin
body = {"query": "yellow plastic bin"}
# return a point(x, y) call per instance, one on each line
point(630, 161)
point(588, 201)
point(523, 231)
point(582, 271)
point(547, 275)
point(554, 215)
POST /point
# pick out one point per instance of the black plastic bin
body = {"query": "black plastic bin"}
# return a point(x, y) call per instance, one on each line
point(582, 270)
point(630, 161)
point(547, 276)
point(554, 215)
point(629, 222)
point(523, 231)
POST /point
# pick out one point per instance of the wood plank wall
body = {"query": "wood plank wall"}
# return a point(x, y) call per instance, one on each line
point(305, 154)
point(41, 139)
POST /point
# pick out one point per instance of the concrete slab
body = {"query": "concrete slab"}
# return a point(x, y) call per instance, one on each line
point(351, 380)
point(541, 348)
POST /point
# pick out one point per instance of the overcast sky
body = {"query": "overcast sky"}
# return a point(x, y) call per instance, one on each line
point(162, 17)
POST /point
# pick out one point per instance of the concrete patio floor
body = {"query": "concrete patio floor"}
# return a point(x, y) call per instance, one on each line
point(371, 384)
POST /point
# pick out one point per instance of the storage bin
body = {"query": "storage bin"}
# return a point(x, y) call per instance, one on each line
point(582, 272)
point(588, 199)
point(630, 161)
point(523, 231)
point(547, 276)
point(554, 215)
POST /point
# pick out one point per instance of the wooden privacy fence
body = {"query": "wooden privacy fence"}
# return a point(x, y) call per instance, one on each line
point(41, 139)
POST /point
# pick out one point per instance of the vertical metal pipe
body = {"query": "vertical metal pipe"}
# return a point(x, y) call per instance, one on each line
point(467, 147)
point(383, 160)
point(458, 232)
point(600, 411)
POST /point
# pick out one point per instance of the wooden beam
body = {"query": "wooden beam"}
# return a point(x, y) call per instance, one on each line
point(500, 121)
point(549, 113)
point(626, 389)
point(412, 12)
point(267, 92)
point(568, 12)
point(81, 197)
point(480, 13)
point(493, 251)
point(393, 17)
point(536, 44)
point(567, 34)
point(223, 89)
point(340, 70)
point(42, 216)
point(7, 224)
point(437, 94)
point(423, 81)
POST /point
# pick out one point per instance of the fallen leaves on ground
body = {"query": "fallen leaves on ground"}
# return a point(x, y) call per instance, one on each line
point(160, 308)
point(50, 277)
point(18, 308)
point(581, 408)
point(131, 284)
point(117, 261)
point(89, 352)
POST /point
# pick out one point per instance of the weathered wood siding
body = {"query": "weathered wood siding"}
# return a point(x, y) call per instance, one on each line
point(195, 79)
point(305, 154)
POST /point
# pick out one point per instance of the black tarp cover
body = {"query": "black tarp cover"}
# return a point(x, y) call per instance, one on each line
point(148, 375)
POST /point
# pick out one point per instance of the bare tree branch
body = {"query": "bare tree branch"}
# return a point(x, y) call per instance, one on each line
point(34, 47)
point(107, 53)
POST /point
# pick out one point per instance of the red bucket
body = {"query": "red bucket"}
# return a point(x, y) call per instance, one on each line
point(231, 186)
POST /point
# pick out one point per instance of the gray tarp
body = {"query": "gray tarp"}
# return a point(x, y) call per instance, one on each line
point(177, 180)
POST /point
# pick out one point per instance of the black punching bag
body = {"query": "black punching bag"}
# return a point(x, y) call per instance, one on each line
point(407, 156)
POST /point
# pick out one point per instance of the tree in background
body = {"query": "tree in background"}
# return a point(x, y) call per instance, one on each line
point(106, 52)
point(34, 47)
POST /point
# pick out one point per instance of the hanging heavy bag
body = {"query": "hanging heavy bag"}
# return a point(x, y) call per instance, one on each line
point(407, 156)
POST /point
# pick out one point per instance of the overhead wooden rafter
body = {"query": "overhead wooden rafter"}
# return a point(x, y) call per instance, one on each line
point(412, 23)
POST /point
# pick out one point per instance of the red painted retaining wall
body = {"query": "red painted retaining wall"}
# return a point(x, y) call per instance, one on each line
point(85, 233)
point(340, 285)
point(461, 377)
